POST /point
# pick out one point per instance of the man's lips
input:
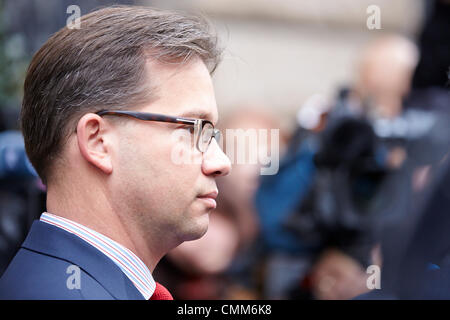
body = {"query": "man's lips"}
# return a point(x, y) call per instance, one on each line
point(209, 198)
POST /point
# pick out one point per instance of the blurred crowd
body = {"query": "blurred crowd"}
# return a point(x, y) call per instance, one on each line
point(363, 180)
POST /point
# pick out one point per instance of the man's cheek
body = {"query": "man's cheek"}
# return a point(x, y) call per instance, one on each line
point(183, 150)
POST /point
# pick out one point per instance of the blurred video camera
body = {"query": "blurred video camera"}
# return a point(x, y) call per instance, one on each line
point(355, 186)
point(339, 209)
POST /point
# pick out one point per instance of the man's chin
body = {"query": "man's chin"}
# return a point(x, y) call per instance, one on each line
point(199, 229)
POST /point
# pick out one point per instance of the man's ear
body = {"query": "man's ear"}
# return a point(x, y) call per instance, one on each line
point(92, 134)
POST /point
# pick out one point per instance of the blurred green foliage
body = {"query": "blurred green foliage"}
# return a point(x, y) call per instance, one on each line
point(13, 64)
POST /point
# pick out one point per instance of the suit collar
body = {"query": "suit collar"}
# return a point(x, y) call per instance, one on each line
point(53, 241)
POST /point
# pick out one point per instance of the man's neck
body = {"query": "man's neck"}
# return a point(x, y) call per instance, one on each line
point(98, 215)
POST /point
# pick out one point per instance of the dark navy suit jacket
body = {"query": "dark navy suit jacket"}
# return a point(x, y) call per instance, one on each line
point(41, 269)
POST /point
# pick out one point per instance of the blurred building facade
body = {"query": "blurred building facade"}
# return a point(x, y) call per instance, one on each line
point(280, 53)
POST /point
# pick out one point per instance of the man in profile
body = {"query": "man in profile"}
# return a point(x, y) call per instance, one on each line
point(101, 105)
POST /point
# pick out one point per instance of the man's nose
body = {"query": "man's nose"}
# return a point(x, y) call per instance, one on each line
point(215, 161)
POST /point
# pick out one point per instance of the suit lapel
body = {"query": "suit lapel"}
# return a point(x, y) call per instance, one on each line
point(53, 241)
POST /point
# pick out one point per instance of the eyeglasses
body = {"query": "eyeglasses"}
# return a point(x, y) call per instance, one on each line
point(204, 130)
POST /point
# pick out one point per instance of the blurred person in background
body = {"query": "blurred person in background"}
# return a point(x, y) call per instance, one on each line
point(228, 262)
point(430, 85)
point(415, 242)
point(384, 75)
point(245, 274)
point(336, 182)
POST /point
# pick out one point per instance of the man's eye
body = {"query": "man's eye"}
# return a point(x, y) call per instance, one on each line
point(189, 129)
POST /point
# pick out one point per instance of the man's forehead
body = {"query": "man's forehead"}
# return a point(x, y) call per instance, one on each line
point(186, 88)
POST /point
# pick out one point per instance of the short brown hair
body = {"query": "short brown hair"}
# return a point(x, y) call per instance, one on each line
point(102, 65)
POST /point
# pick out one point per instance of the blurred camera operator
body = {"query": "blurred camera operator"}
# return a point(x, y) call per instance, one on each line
point(334, 208)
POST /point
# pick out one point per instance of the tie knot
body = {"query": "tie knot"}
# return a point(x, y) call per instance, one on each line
point(161, 293)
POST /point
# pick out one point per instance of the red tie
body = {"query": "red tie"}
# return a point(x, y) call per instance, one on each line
point(161, 293)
